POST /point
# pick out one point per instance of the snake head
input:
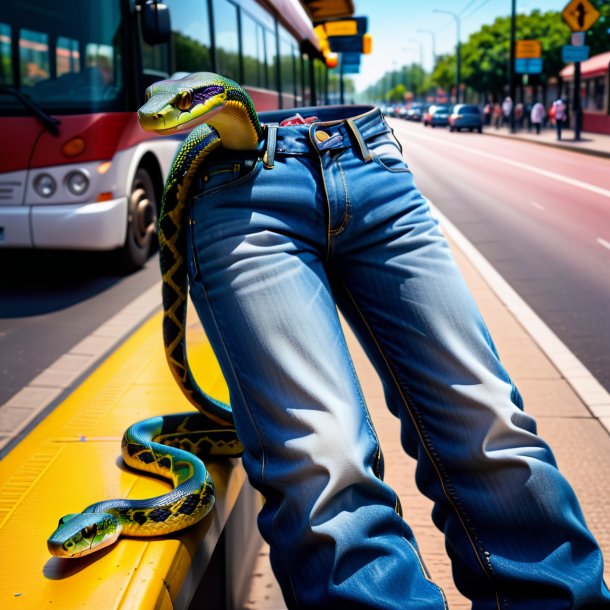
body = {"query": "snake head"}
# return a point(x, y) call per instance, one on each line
point(176, 105)
point(79, 534)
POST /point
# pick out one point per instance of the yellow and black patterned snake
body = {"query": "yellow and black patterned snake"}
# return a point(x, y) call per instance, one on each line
point(222, 114)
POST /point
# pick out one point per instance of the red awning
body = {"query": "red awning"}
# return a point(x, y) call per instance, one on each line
point(594, 66)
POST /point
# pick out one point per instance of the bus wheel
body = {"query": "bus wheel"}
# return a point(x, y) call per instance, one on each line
point(141, 222)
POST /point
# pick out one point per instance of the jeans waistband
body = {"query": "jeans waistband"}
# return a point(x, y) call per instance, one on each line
point(342, 127)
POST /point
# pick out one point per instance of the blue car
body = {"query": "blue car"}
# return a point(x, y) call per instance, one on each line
point(437, 115)
point(466, 116)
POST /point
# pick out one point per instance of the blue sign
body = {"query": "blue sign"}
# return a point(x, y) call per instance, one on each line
point(350, 68)
point(352, 59)
point(530, 65)
point(571, 53)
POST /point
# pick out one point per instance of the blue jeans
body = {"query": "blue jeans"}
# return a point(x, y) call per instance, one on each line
point(335, 220)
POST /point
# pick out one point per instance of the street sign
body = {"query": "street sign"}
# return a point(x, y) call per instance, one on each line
point(570, 53)
point(528, 65)
point(580, 15)
point(344, 27)
point(528, 49)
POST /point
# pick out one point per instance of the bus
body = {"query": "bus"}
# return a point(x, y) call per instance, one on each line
point(76, 170)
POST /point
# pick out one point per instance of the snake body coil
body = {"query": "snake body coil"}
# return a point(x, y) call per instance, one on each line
point(222, 114)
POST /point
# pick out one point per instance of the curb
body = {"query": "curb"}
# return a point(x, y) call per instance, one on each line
point(586, 151)
point(593, 395)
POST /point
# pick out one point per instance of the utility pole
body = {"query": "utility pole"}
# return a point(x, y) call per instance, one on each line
point(511, 67)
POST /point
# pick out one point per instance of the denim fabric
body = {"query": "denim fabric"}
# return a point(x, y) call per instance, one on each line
point(275, 245)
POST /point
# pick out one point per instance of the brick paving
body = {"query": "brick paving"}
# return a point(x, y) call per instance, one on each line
point(581, 444)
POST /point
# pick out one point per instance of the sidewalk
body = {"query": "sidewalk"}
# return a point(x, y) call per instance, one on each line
point(581, 442)
point(590, 143)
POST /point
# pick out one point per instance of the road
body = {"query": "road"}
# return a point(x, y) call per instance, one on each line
point(49, 301)
point(540, 216)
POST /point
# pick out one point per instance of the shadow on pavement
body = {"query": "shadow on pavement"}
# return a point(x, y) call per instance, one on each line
point(35, 282)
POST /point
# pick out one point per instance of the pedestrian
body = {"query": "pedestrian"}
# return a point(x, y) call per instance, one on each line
point(487, 113)
point(537, 116)
point(326, 214)
point(560, 112)
point(519, 115)
point(497, 115)
point(507, 107)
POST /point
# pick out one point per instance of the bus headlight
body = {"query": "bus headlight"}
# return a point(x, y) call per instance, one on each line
point(77, 182)
point(45, 185)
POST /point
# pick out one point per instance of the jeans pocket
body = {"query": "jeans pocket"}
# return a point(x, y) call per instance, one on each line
point(223, 175)
point(385, 151)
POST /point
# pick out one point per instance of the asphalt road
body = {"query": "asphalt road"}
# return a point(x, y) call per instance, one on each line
point(540, 216)
point(49, 301)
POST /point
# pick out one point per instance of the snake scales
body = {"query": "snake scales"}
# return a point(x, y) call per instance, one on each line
point(222, 114)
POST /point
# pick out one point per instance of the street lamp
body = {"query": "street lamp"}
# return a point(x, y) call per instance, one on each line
point(511, 65)
point(432, 34)
point(457, 62)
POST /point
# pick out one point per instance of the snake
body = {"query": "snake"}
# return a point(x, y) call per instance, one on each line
point(218, 113)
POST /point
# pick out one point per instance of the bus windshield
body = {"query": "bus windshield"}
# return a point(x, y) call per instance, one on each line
point(66, 56)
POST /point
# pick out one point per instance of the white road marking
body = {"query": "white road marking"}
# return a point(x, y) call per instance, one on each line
point(535, 170)
point(536, 205)
point(603, 242)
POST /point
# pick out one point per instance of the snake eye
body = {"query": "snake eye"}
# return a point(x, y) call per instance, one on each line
point(147, 94)
point(89, 531)
point(184, 101)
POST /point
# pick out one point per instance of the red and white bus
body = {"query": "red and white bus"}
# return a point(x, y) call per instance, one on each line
point(76, 170)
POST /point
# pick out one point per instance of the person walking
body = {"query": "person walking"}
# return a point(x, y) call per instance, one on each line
point(537, 116)
point(326, 215)
point(560, 111)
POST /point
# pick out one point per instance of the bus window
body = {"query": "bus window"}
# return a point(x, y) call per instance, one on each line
point(69, 56)
point(253, 45)
point(287, 61)
point(33, 57)
point(226, 38)
point(271, 58)
point(191, 36)
point(6, 70)
point(298, 64)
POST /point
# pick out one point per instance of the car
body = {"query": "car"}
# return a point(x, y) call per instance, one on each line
point(466, 116)
point(416, 112)
point(437, 115)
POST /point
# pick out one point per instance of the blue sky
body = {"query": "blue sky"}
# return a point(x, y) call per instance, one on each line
point(394, 24)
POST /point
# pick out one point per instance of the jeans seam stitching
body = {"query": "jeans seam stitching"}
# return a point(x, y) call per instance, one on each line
point(348, 205)
point(427, 445)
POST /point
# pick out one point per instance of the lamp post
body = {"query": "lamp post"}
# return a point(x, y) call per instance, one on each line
point(432, 34)
point(458, 58)
point(511, 67)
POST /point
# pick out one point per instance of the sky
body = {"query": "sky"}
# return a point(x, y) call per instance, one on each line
point(393, 25)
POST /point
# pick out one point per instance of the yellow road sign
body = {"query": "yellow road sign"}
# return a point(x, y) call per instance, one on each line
point(580, 15)
point(528, 49)
point(346, 27)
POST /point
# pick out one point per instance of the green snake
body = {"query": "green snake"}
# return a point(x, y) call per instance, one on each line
point(220, 113)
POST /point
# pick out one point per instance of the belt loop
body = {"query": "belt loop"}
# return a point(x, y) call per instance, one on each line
point(269, 157)
point(364, 150)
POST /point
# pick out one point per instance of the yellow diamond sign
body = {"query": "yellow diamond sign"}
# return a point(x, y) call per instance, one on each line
point(580, 15)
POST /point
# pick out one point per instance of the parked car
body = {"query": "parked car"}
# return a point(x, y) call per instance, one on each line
point(437, 115)
point(416, 112)
point(466, 116)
